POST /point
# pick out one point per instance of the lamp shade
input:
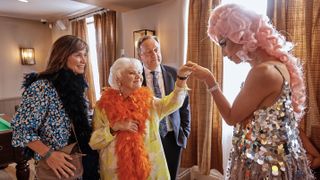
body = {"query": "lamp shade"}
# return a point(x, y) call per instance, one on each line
point(27, 56)
point(138, 34)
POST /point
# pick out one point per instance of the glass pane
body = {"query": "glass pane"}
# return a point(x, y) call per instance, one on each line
point(93, 56)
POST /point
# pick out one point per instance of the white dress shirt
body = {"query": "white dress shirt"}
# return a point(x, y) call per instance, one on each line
point(149, 82)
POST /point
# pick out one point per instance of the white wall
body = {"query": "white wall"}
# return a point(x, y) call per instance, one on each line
point(16, 33)
point(57, 33)
point(168, 19)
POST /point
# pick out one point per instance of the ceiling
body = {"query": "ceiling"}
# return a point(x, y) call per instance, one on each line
point(122, 5)
point(51, 10)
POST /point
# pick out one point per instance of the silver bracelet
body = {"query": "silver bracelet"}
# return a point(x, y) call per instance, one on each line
point(213, 88)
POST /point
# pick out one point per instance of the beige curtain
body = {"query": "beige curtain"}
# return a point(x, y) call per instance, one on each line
point(79, 28)
point(105, 25)
point(204, 145)
point(300, 21)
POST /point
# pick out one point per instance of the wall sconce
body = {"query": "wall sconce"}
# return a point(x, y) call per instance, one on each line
point(27, 56)
point(137, 35)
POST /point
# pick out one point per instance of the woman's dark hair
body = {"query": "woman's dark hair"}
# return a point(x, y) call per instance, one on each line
point(61, 50)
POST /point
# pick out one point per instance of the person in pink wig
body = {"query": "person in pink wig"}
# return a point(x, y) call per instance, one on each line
point(266, 112)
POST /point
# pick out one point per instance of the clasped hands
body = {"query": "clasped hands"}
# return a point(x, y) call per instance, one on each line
point(197, 71)
point(129, 125)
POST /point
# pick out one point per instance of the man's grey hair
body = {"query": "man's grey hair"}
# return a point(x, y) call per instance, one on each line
point(119, 66)
point(144, 38)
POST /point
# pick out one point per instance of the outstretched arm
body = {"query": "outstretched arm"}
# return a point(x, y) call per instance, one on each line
point(175, 99)
point(183, 74)
point(263, 82)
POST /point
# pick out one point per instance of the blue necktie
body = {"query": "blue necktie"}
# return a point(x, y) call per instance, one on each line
point(157, 92)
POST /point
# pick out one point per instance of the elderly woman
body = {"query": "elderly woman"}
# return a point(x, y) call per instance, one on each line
point(126, 123)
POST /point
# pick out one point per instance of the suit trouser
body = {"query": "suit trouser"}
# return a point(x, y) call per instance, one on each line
point(172, 152)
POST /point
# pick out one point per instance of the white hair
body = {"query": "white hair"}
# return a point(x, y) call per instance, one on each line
point(119, 66)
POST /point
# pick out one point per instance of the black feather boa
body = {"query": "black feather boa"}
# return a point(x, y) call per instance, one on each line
point(71, 89)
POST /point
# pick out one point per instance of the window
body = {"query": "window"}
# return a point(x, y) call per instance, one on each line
point(93, 55)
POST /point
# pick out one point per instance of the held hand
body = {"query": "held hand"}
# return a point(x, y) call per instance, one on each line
point(198, 71)
point(184, 71)
point(128, 125)
point(58, 162)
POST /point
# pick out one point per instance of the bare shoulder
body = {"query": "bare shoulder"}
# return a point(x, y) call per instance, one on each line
point(264, 79)
point(261, 87)
point(265, 73)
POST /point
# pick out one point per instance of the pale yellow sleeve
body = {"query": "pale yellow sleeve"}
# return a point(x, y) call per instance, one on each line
point(101, 136)
point(171, 102)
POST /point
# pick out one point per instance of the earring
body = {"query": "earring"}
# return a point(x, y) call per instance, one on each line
point(119, 87)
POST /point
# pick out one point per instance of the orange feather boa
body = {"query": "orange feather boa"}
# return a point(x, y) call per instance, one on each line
point(133, 161)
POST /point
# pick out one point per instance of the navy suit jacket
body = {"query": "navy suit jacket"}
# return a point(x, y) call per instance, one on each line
point(180, 119)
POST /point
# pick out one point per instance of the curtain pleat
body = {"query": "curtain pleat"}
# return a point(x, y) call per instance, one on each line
point(79, 28)
point(299, 20)
point(105, 25)
point(204, 145)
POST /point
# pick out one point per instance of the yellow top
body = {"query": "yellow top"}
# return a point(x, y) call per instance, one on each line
point(104, 141)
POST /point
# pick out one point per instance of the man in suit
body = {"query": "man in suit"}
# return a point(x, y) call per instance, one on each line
point(175, 128)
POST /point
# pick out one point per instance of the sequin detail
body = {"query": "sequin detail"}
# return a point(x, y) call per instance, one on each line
point(269, 146)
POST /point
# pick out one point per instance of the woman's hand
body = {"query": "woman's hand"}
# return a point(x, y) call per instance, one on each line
point(184, 71)
point(58, 162)
point(182, 76)
point(202, 73)
point(128, 125)
point(198, 71)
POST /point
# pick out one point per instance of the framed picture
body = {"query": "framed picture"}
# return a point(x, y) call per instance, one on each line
point(137, 35)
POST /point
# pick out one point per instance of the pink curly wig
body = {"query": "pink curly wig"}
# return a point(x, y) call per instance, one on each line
point(252, 31)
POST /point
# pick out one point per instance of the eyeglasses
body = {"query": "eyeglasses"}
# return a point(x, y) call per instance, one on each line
point(222, 42)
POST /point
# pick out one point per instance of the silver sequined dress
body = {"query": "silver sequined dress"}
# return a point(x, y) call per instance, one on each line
point(269, 146)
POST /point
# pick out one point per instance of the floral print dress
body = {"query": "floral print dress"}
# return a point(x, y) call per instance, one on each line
point(41, 116)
